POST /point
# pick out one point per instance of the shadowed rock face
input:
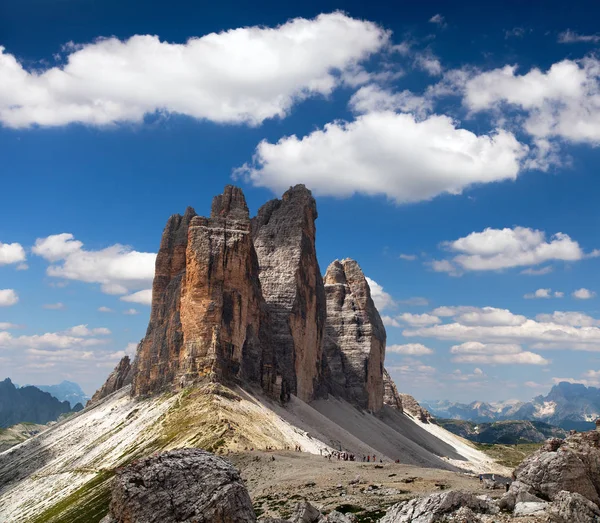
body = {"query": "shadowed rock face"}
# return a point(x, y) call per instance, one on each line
point(121, 376)
point(355, 337)
point(391, 396)
point(158, 354)
point(284, 239)
point(222, 308)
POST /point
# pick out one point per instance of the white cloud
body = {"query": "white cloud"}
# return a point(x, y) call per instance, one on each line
point(131, 312)
point(56, 247)
point(382, 299)
point(388, 321)
point(408, 257)
point(54, 306)
point(144, 297)
point(428, 62)
point(502, 354)
point(583, 294)
point(105, 309)
point(118, 268)
point(8, 297)
point(22, 267)
point(83, 331)
point(573, 319)
point(558, 294)
point(241, 75)
point(8, 326)
point(537, 272)
point(487, 316)
point(570, 37)
point(540, 293)
point(11, 253)
point(438, 19)
point(496, 249)
point(563, 102)
point(387, 153)
point(373, 98)
point(418, 319)
point(49, 340)
point(410, 349)
point(131, 349)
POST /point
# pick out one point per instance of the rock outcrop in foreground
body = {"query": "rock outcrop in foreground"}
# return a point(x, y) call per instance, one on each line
point(243, 301)
point(183, 486)
point(121, 376)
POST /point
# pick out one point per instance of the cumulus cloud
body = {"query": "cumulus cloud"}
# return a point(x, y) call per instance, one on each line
point(11, 253)
point(418, 319)
point(583, 294)
point(382, 299)
point(560, 330)
point(387, 153)
point(409, 349)
point(389, 321)
point(144, 297)
point(54, 306)
point(49, 340)
point(105, 309)
point(243, 75)
point(118, 268)
point(562, 102)
point(8, 297)
point(374, 98)
point(573, 319)
point(4, 326)
point(83, 331)
point(503, 354)
point(131, 312)
point(496, 249)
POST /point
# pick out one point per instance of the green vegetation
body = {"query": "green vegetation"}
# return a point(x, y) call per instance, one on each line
point(88, 504)
point(508, 455)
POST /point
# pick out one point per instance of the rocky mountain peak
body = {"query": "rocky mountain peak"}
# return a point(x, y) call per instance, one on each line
point(355, 336)
point(121, 376)
point(230, 205)
point(284, 238)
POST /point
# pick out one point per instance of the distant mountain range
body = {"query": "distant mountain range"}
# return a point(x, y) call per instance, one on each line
point(66, 391)
point(567, 405)
point(29, 404)
point(503, 432)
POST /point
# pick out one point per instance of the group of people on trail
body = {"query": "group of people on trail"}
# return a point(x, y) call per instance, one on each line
point(344, 456)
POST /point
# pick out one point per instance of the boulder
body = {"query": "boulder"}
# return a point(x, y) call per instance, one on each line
point(183, 486)
point(530, 508)
point(433, 508)
point(572, 465)
point(305, 513)
point(569, 507)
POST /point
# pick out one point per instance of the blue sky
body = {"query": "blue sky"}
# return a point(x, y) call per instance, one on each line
point(462, 138)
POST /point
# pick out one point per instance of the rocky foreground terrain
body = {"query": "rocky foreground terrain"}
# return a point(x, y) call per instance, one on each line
point(559, 484)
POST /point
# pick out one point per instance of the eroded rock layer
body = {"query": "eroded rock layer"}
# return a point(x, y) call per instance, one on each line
point(157, 359)
point(222, 308)
point(284, 239)
point(355, 337)
point(122, 375)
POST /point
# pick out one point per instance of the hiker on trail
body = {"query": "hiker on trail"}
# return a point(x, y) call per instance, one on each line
point(480, 478)
point(368, 459)
point(507, 486)
point(493, 477)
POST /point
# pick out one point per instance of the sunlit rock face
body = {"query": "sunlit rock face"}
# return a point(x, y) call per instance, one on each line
point(121, 376)
point(284, 238)
point(355, 337)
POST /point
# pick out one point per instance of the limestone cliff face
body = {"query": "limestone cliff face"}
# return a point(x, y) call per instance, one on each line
point(157, 357)
point(222, 309)
point(284, 238)
point(391, 396)
point(412, 407)
point(121, 376)
point(355, 337)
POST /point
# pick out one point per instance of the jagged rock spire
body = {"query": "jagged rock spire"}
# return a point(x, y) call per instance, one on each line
point(355, 337)
point(284, 237)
